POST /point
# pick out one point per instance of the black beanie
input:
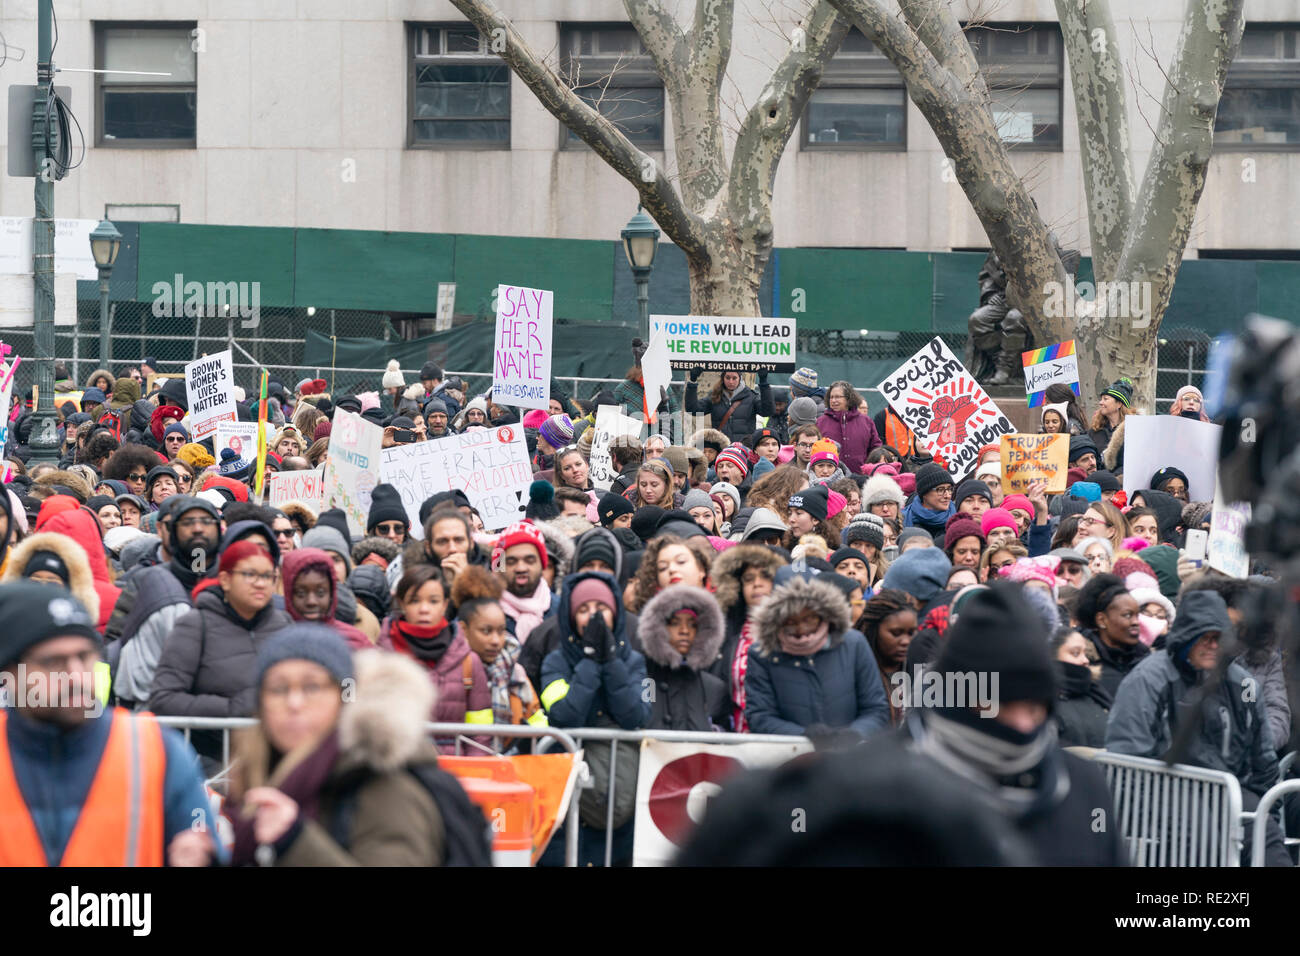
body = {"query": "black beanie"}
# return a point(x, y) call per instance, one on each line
point(971, 486)
point(1105, 480)
point(32, 612)
point(594, 546)
point(645, 521)
point(1080, 445)
point(456, 497)
point(386, 505)
point(930, 477)
point(612, 506)
point(998, 633)
point(814, 500)
point(47, 561)
point(337, 519)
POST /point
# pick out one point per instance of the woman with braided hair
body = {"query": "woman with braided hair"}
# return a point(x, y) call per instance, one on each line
point(888, 621)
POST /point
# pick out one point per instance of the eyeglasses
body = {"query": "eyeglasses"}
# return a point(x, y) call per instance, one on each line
point(283, 532)
point(137, 476)
point(943, 491)
point(312, 690)
point(806, 446)
point(183, 479)
point(258, 577)
point(390, 527)
point(198, 521)
point(1086, 522)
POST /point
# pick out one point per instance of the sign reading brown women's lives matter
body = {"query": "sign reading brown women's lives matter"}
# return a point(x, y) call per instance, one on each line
point(1030, 458)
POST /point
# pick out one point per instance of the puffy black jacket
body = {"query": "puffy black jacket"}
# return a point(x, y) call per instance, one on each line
point(743, 421)
point(1082, 707)
point(1115, 662)
point(1160, 695)
point(685, 696)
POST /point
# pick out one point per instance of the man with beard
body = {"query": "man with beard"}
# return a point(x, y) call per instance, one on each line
point(85, 786)
point(519, 558)
point(160, 595)
point(435, 418)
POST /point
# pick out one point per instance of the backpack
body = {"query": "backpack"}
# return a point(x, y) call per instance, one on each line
point(113, 421)
point(467, 834)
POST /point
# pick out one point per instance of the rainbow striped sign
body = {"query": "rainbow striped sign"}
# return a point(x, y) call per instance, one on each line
point(1049, 366)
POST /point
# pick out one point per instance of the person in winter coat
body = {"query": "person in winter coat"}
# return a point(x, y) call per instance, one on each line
point(846, 422)
point(53, 559)
point(80, 526)
point(311, 593)
point(1167, 689)
point(348, 608)
point(418, 628)
point(809, 673)
point(208, 664)
point(931, 506)
point(1108, 616)
point(681, 632)
point(732, 406)
point(1082, 705)
point(1003, 751)
point(482, 619)
point(888, 622)
point(743, 576)
point(321, 782)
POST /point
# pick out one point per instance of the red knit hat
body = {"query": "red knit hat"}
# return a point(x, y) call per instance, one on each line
point(521, 532)
point(738, 455)
point(962, 527)
point(1021, 502)
point(998, 518)
point(244, 548)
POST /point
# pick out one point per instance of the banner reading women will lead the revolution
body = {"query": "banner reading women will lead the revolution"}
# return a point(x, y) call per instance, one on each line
point(719, 342)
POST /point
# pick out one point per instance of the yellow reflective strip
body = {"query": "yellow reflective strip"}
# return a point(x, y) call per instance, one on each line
point(103, 678)
point(478, 716)
point(555, 691)
point(539, 719)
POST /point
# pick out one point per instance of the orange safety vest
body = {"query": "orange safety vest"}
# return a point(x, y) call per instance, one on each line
point(121, 822)
point(901, 438)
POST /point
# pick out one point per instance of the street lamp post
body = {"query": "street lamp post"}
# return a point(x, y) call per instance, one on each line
point(640, 243)
point(105, 241)
point(44, 442)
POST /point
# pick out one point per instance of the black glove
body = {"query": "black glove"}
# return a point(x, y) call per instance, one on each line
point(825, 738)
point(694, 373)
point(762, 378)
point(638, 350)
point(597, 641)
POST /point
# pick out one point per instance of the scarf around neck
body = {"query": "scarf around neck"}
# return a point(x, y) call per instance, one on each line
point(919, 514)
point(426, 644)
point(808, 644)
point(527, 612)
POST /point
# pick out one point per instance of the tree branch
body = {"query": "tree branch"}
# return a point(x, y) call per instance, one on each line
point(1100, 107)
point(772, 119)
point(642, 171)
point(693, 83)
point(938, 28)
point(1175, 175)
point(659, 32)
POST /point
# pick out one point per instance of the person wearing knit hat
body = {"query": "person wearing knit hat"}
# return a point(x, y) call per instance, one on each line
point(1155, 611)
point(1106, 481)
point(731, 491)
point(931, 506)
point(973, 498)
point(914, 538)
point(963, 541)
point(1189, 403)
point(990, 472)
point(921, 572)
point(824, 460)
point(999, 527)
point(196, 455)
point(1022, 509)
point(766, 443)
point(553, 434)
point(1196, 515)
point(306, 641)
point(1039, 571)
point(882, 496)
point(387, 517)
point(393, 381)
point(1085, 490)
point(1083, 454)
point(615, 511)
point(732, 465)
point(598, 550)
point(700, 506)
point(175, 437)
point(1172, 481)
point(803, 383)
point(864, 529)
point(802, 411)
point(1122, 392)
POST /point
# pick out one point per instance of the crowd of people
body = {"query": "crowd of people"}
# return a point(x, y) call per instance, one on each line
point(797, 567)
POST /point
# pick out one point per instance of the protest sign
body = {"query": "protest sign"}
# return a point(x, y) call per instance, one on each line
point(490, 465)
point(656, 375)
point(675, 782)
point(521, 359)
point(610, 424)
point(240, 437)
point(1049, 366)
point(943, 405)
point(352, 469)
point(11, 363)
point(1030, 458)
point(305, 486)
point(1226, 549)
point(210, 388)
point(719, 342)
point(1152, 442)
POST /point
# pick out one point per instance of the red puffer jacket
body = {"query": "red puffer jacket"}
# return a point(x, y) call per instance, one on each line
point(82, 527)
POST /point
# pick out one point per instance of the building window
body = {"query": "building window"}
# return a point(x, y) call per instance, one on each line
point(137, 109)
point(1260, 107)
point(1023, 66)
point(460, 90)
point(609, 68)
point(861, 102)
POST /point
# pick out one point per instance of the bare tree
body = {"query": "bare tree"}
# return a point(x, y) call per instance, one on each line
point(1138, 234)
point(718, 213)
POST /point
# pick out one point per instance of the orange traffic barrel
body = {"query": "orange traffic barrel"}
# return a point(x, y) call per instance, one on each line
point(508, 803)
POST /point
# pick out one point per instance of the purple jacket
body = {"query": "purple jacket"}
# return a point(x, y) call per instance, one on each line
point(856, 434)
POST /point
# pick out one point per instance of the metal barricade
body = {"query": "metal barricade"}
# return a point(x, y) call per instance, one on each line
point(1175, 815)
point(1259, 823)
point(462, 733)
point(615, 737)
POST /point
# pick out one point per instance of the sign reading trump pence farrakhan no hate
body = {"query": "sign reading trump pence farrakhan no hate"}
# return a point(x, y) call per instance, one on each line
point(521, 356)
point(945, 407)
point(719, 342)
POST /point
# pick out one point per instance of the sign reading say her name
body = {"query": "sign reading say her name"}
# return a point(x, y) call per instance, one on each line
point(521, 361)
point(945, 407)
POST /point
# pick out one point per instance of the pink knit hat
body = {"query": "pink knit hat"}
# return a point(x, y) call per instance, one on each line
point(1041, 568)
point(998, 518)
point(534, 418)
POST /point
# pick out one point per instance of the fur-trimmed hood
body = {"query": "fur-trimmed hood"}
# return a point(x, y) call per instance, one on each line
point(793, 598)
point(383, 727)
point(386, 548)
point(81, 581)
point(1113, 455)
point(559, 547)
point(712, 435)
point(730, 565)
point(653, 627)
point(300, 511)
